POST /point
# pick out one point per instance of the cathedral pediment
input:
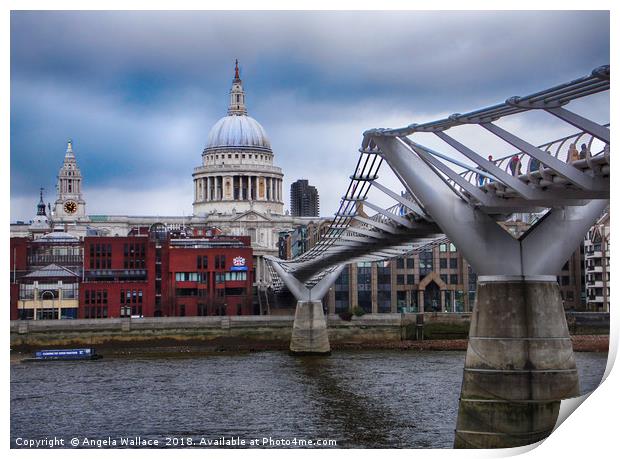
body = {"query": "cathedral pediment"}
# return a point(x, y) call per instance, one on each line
point(251, 216)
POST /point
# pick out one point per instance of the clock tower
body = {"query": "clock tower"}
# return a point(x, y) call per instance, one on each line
point(70, 206)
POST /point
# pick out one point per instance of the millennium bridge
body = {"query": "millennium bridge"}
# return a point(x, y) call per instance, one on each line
point(519, 363)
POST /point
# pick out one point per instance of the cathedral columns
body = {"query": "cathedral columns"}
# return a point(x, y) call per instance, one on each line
point(270, 188)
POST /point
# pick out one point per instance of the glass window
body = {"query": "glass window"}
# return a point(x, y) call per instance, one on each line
point(364, 300)
point(453, 263)
point(443, 263)
point(426, 262)
point(384, 302)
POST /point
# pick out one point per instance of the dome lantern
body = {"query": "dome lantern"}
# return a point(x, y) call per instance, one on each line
point(237, 96)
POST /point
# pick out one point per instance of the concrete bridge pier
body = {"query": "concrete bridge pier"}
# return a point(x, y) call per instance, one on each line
point(309, 335)
point(519, 363)
point(309, 330)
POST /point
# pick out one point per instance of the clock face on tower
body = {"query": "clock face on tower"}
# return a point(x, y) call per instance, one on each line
point(70, 207)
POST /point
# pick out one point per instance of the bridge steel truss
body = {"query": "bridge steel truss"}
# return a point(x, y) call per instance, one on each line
point(519, 362)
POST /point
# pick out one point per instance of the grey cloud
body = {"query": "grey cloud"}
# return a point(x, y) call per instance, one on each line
point(139, 91)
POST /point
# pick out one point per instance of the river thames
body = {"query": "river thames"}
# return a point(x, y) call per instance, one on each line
point(360, 399)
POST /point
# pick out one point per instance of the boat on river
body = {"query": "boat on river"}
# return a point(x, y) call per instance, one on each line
point(50, 355)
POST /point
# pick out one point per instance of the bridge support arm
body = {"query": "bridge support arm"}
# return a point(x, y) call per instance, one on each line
point(547, 246)
point(309, 336)
point(476, 234)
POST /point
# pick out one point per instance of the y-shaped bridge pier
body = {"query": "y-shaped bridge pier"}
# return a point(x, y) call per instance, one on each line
point(519, 362)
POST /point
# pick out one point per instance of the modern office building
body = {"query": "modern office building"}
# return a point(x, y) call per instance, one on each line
point(304, 199)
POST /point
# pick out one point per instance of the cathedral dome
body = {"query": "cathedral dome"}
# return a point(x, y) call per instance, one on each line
point(237, 173)
point(238, 131)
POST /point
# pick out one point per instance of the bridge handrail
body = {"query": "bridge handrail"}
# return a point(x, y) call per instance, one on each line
point(561, 94)
point(554, 148)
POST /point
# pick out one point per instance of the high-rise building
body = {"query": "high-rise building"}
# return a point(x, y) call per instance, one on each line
point(304, 199)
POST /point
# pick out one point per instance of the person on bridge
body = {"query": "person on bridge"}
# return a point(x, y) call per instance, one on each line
point(534, 165)
point(584, 151)
point(481, 178)
point(515, 165)
point(490, 158)
point(573, 154)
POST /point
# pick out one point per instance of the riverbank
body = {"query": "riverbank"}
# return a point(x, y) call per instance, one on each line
point(447, 331)
point(584, 343)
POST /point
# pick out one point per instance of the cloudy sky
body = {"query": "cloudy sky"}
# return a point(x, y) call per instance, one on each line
point(139, 91)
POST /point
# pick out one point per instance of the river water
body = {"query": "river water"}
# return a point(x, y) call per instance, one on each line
point(361, 399)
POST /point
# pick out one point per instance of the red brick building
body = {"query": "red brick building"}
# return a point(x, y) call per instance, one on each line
point(18, 255)
point(148, 274)
point(210, 276)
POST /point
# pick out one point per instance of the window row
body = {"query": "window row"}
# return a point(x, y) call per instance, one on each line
point(131, 296)
point(95, 297)
point(95, 312)
point(202, 262)
point(453, 279)
point(131, 263)
point(231, 276)
point(134, 250)
point(443, 263)
point(447, 247)
point(243, 156)
point(133, 310)
point(100, 263)
point(220, 261)
point(100, 250)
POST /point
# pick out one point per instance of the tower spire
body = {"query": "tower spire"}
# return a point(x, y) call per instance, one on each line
point(41, 205)
point(237, 96)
